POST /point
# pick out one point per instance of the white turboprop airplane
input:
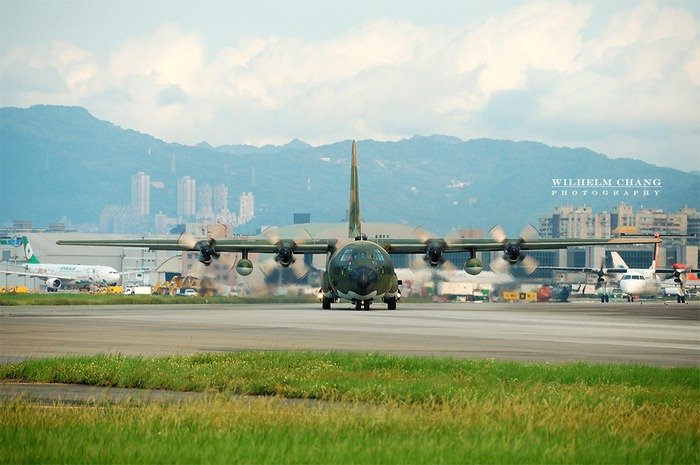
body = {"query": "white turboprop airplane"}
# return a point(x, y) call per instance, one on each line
point(640, 282)
point(57, 274)
point(635, 282)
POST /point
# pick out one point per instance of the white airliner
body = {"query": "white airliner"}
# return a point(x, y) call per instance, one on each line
point(57, 274)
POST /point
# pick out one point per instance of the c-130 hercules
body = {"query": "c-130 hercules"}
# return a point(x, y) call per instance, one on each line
point(360, 270)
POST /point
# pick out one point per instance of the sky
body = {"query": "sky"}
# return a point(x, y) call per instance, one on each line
point(619, 77)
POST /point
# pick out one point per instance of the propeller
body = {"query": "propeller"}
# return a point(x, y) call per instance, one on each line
point(512, 252)
point(207, 252)
point(433, 261)
point(434, 250)
point(285, 254)
point(601, 275)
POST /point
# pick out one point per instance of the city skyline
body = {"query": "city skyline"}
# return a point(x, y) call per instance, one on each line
point(193, 204)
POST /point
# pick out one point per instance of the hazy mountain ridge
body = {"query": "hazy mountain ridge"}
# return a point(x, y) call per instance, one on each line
point(62, 161)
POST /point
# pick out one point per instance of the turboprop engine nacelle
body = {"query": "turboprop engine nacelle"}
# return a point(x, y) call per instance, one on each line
point(679, 277)
point(206, 252)
point(285, 255)
point(433, 254)
point(512, 253)
point(473, 266)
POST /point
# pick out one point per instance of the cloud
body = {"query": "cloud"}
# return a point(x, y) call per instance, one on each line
point(549, 71)
point(59, 72)
point(173, 95)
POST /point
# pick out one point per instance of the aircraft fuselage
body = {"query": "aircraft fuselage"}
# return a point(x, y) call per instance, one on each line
point(640, 283)
point(78, 274)
point(360, 271)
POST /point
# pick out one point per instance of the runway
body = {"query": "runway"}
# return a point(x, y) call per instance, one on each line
point(646, 333)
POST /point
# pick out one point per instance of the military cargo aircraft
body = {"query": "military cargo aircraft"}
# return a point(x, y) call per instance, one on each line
point(358, 269)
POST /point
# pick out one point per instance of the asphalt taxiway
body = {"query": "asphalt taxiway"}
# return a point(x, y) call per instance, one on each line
point(640, 333)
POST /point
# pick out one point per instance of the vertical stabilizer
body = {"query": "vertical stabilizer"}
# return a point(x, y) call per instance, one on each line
point(28, 252)
point(354, 226)
point(618, 262)
point(655, 261)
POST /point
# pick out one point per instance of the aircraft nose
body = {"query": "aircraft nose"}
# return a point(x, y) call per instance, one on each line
point(363, 279)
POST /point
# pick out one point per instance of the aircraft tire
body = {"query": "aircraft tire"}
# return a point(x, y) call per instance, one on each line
point(358, 305)
point(365, 305)
point(391, 303)
point(326, 303)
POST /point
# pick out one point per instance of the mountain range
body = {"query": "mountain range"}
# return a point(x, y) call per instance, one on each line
point(62, 162)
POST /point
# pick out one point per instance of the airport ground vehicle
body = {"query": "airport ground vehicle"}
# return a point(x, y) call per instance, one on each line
point(188, 292)
point(132, 290)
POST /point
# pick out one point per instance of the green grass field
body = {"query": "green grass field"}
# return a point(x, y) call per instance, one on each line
point(375, 408)
point(119, 299)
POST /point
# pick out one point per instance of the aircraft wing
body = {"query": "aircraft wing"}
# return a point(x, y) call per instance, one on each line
point(417, 246)
point(318, 246)
point(252, 245)
point(583, 269)
point(513, 249)
point(38, 275)
point(674, 270)
point(571, 269)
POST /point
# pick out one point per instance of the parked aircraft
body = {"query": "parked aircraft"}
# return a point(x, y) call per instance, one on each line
point(635, 282)
point(57, 275)
point(357, 269)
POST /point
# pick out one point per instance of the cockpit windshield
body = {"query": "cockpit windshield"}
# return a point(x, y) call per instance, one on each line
point(352, 254)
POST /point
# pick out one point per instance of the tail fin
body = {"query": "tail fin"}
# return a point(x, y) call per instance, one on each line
point(655, 261)
point(354, 225)
point(618, 262)
point(28, 252)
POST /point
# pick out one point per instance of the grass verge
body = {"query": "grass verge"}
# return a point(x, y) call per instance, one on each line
point(119, 299)
point(394, 410)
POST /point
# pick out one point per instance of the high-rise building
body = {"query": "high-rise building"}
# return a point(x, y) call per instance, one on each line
point(693, 225)
point(186, 203)
point(140, 195)
point(655, 220)
point(220, 198)
point(206, 212)
point(575, 222)
point(247, 208)
point(622, 217)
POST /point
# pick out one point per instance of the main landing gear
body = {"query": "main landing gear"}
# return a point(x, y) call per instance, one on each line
point(326, 303)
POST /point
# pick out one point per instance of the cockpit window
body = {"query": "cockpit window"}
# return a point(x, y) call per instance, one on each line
point(352, 254)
